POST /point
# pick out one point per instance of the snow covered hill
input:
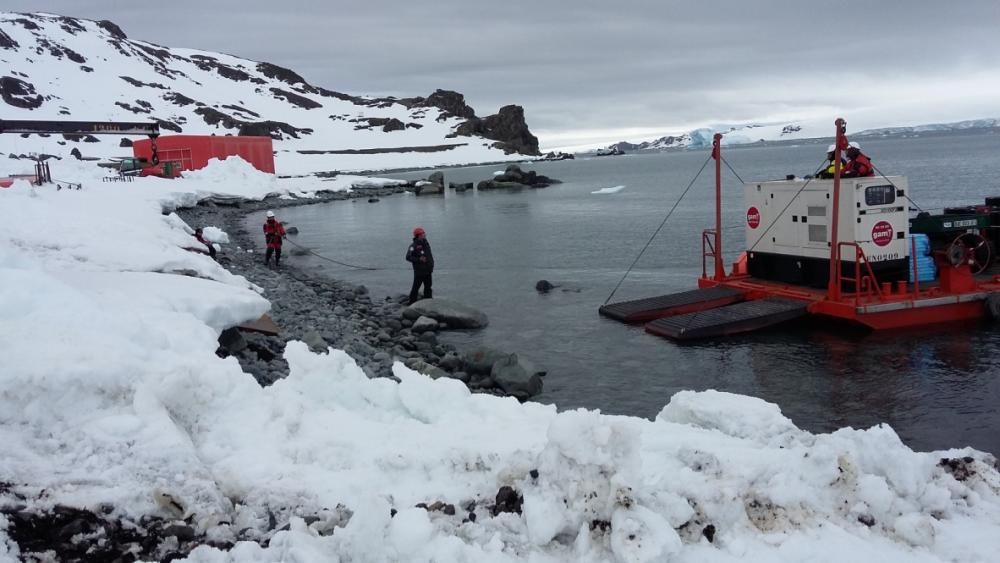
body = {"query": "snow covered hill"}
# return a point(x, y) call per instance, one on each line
point(753, 133)
point(61, 68)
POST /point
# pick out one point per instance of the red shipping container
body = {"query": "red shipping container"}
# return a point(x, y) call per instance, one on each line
point(194, 151)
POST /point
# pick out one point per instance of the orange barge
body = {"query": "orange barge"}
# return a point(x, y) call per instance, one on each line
point(844, 249)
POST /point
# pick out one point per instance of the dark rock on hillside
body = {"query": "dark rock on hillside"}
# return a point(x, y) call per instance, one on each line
point(6, 42)
point(180, 99)
point(240, 109)
point(169, 126)
point(387, 124)
point(292, 98)
point(507, 127)
point(161, 54)
point(453, 103)
point(279, 73)
point(112, 29)
point(28, 24)
point(140, 83)
point(273, 129)
point(71, 25)
point(18, 93)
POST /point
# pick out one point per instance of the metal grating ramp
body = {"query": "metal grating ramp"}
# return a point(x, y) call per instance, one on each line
point(741, 317)
point(642, 310)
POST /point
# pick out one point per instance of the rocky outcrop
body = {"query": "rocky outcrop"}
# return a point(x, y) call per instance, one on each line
point(452, 103)
point(613, 150)
point(558, 156)
point(507, 127)
point(6, 42)
point(18, 93)
point(434, 184)
point(515, 178)
point(387, 124)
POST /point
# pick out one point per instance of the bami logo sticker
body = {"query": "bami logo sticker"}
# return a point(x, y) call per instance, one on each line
point(753, 217)
point(882, 233)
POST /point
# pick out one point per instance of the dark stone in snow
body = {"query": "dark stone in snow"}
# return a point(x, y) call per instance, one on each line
point(508, 500)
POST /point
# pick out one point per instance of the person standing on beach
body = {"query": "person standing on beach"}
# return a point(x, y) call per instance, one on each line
point(274, 232)
point(419, 254)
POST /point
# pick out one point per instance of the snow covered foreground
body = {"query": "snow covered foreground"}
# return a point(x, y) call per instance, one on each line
point(110, 392)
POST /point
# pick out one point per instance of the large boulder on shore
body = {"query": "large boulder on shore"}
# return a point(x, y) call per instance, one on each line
point(450, 313)
point(479, 361)
point(514, 379)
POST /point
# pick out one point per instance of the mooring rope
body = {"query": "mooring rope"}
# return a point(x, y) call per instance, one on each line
point(895, 187)
point(317, 255)
point(664, 222)
point(726, 162)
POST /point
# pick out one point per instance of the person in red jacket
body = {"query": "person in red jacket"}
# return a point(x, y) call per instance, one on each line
point(419, 254)
point(199, 234)
point(858, 165)
point(274, 232)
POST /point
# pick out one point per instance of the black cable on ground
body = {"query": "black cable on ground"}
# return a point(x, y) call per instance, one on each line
point(664, 222)
point(320, 256)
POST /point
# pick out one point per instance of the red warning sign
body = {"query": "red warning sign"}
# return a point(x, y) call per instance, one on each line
point(753, 217)
point(882, 233)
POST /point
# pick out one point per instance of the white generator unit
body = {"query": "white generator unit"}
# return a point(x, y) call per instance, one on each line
point(788, 228)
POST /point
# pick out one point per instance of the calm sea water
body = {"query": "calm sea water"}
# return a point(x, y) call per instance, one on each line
point(937, 388)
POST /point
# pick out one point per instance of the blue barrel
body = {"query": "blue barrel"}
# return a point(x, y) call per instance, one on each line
point(923, 244)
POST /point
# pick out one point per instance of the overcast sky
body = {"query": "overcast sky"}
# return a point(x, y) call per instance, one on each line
point(601, 71)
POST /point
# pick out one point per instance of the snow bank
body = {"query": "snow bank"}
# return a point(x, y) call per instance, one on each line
point(111, 393)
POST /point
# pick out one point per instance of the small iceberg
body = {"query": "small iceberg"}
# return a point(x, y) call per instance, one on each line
point(611, 190)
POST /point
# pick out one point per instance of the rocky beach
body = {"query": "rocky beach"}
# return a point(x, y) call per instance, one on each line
point(325, 312)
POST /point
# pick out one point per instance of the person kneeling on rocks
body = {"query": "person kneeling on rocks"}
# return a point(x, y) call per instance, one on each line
point(274, 232)
point(419, 254)
point(199, 234)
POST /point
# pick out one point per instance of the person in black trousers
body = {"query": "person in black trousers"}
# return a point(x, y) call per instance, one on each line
point(419, 254)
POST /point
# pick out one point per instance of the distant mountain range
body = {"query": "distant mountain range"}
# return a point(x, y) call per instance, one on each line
point(759, 133)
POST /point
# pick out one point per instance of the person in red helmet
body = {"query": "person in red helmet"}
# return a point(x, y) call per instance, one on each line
point(419, 254)
point(858, 165)
point(274, 232)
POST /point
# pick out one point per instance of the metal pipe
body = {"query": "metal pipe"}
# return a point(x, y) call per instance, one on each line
point(833, 288)
point(720, 272)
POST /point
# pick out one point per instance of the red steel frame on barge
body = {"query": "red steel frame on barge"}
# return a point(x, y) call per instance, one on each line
point(957, 296)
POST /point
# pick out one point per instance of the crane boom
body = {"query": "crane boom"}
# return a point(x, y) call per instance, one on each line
point(151, 129)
